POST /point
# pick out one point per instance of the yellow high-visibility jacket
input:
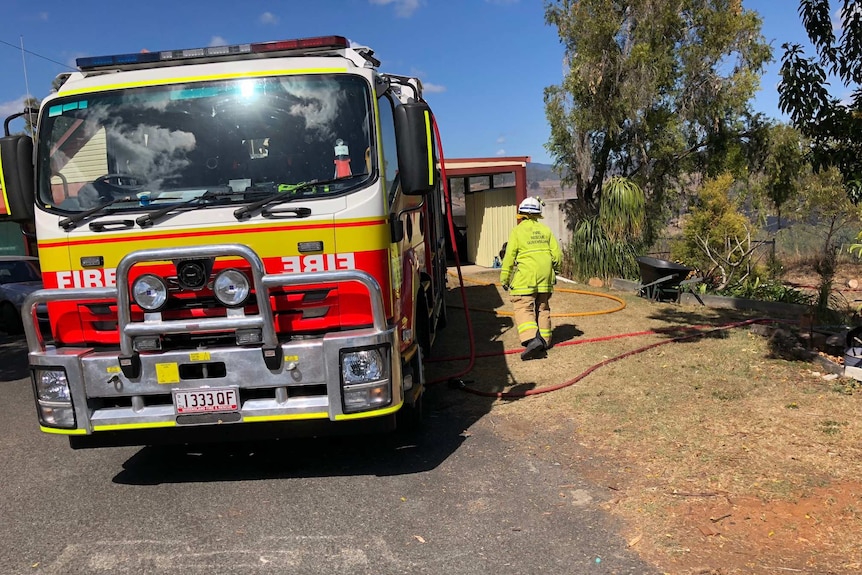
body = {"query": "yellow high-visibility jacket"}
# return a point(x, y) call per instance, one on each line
point(535, 255)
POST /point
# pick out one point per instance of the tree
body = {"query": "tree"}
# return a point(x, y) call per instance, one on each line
point(30, 119)
point(832, 123)
point(825, 201)
point(783, 166)
point(604, 245)
point(653, 88)
point(716, 236)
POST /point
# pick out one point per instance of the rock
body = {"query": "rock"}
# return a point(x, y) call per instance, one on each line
point(852, 284)
point(762, 329)
point(786, 344)
point(596, 282)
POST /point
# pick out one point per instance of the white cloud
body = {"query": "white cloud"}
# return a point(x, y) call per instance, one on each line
point(268, 18)
point(433, 88)
point(403, 8)
point(12, 107)
point(43, 16)
point(501, 152)
point(501, 140)
point(218, 41)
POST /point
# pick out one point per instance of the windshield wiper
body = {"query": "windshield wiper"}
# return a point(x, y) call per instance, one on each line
point(151, 218)
point(70, 223)
point(288, 193)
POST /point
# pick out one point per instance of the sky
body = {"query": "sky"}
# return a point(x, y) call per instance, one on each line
point(484, 63)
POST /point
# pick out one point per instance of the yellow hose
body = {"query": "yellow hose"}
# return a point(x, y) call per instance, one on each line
point(621, 303)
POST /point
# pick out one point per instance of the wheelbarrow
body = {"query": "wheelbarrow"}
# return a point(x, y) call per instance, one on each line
point(663, 280)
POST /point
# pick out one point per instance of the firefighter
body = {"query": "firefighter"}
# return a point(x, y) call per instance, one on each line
point(529, 271)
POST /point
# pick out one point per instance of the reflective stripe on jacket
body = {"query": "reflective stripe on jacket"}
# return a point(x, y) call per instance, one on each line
point(535, 255)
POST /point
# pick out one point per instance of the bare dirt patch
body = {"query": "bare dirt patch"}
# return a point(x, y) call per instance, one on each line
point(720, 457)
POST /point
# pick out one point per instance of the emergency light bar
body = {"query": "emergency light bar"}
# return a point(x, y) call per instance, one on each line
point(144, 59)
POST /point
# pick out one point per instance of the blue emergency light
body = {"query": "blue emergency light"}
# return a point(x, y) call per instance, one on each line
point(167, 57)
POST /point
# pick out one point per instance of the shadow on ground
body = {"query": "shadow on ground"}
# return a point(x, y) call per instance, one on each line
point(394, 453)
point(449, 413)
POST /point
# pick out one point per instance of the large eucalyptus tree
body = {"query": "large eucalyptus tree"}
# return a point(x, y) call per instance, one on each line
point(653, 89)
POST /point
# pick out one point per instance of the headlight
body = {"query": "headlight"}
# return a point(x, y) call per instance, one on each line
point(150, 292)
point(365, 382)
point(361, 367)
point(52, 385)
point(231, 287)
point(367, 396)
point(53, 399)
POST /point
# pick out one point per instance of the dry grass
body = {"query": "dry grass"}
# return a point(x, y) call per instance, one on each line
point(717, 454)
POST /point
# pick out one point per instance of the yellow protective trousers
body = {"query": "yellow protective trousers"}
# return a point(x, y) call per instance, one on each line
point(532, 316)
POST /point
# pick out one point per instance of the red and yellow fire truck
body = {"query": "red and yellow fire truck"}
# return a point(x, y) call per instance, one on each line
point(235, 241)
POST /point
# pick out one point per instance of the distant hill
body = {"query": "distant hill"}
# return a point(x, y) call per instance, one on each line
point(541, 172)
point(543, 181)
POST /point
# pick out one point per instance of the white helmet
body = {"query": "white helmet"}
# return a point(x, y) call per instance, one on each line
point(531, 207)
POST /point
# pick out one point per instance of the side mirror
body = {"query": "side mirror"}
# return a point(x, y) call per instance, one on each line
point(396, 229)
point(417, 164)
point(16, 179)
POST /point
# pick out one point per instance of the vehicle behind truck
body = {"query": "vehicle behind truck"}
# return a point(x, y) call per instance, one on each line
point(235, 241)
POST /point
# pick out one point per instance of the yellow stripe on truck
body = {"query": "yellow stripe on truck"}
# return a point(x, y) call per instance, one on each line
point(56, 431)
point(278, 242)
point(168, 81)
point(121, 426)
point(249, 419)
point(3, 188)
point(287, 417)
point(346, 229)
point(366, 414)
point(430, 149)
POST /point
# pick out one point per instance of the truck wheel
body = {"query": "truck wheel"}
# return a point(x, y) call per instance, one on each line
point(11, 319)
point(411, 416)
point(422, 329)
point(443, 318)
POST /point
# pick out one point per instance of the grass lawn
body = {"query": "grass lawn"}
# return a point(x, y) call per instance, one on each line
point(719, 456)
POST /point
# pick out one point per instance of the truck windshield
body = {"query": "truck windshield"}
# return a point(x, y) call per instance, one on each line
point(237, 139)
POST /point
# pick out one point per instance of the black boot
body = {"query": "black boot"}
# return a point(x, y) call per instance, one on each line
point(535, 349)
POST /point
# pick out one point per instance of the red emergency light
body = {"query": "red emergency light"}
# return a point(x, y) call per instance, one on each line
point(169, 57)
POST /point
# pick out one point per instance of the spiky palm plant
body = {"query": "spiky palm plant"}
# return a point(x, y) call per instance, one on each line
point(605, 244)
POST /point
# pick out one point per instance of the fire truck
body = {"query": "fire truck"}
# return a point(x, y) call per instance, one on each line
point(235, 241)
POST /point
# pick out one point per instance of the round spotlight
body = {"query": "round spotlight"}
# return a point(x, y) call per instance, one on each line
point(231, 287)
point(150, 292)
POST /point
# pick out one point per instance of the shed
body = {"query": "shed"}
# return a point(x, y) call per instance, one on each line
point(492, 188)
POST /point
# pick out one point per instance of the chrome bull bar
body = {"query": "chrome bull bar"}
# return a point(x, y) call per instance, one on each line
point(264, 320)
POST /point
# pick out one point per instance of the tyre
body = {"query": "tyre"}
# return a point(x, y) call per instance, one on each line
point(11, 319)
point(410, 418)
point(443, 318)
point(422, 329)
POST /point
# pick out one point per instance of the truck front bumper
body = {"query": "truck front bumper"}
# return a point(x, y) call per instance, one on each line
point(110, 392)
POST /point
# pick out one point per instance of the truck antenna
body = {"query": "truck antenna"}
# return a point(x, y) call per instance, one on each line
point(24, 62)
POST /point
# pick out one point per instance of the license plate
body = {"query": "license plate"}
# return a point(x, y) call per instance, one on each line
point(206, 400)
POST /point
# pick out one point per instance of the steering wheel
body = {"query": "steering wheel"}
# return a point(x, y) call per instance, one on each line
point(106, 185)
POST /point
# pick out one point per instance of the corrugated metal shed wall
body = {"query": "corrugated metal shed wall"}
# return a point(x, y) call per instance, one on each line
point(491, 215)
point(90, 162)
